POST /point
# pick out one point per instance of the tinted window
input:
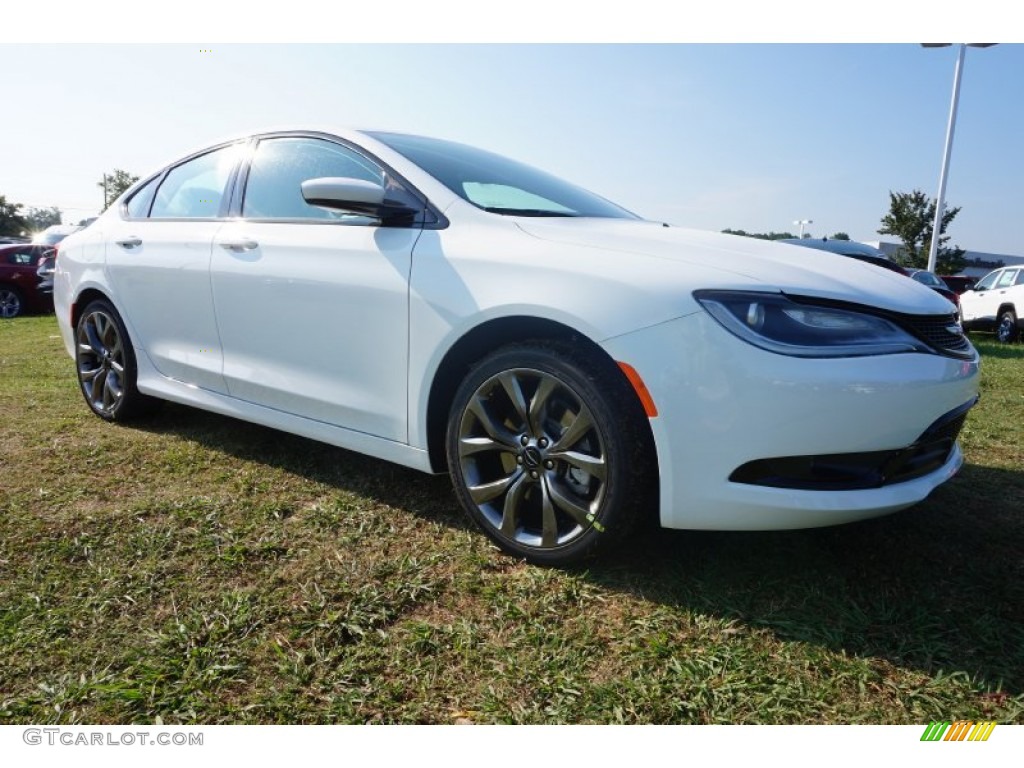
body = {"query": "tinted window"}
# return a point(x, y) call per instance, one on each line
point(279, 166)
point(195, 189)
point(497, 184)
point(138, 204)
point(26, 256)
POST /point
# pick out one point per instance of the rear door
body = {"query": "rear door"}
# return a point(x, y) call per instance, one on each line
point(158, 259)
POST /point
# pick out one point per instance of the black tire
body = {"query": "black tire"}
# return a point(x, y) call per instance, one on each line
point(11, 302)
point(1007, 331)
point(549, 453)
point(105, 361)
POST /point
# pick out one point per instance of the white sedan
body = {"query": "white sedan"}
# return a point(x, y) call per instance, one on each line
point(574, 367)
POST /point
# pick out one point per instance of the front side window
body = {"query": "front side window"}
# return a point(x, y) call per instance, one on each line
point(280, 165)
point(21, 257)
point(987, 281)
point(1007, 278)
point(195, 189)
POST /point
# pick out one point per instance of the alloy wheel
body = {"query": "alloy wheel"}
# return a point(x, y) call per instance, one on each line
point(10, 303)
point(101, 361)
point(533, 458)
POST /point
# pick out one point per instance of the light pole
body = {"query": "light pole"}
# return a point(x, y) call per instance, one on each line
point(940, 202)
point(801, 223)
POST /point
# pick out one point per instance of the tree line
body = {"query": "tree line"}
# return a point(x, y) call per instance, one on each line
point(17, 220)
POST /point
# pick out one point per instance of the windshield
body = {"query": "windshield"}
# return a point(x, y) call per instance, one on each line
point(497, 184)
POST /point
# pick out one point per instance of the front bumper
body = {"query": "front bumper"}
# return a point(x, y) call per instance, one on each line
point(725, 405)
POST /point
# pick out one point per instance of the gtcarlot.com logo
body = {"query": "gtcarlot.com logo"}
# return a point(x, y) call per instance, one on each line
point(958, 730)
point(89, 738)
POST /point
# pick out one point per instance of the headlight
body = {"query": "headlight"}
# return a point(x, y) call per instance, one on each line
point(778, 324)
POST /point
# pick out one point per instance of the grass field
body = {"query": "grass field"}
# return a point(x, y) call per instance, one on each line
point(203, 570)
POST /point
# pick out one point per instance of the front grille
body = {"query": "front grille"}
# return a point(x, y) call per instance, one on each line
point(940, 332)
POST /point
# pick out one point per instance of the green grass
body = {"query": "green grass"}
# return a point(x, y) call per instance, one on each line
point(202, 570)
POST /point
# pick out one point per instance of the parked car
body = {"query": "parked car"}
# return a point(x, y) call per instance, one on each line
point(19, 283)
point(55, 233)
point(995, 304)
point(573, 366)
point(855, 250)
point(958, 283)
point(45, 272)
point(933, 281)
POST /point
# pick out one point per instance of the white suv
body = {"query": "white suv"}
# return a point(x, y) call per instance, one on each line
point(995, 304)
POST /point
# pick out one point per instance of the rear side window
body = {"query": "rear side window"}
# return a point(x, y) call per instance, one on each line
point(138, 204)
point(195, 189)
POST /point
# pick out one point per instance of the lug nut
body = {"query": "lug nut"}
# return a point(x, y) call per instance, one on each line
point(549, 464)
point(519, 459)
point(543, 442)
point(525, 440)
point(534, 474)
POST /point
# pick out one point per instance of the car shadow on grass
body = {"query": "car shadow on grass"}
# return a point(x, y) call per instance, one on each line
point(939, 587)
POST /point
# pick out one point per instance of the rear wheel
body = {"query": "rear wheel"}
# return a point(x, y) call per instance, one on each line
point(106, 365)
point(548, 452)
point(1007, 331)
point(11, 303)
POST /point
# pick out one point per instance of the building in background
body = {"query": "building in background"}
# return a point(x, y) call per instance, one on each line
point(979, 263)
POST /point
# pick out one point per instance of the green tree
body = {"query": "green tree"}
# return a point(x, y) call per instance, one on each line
point(40, 218)
point(114, 184)
point(11, 220)
point(911, 218)
point(761, 235)
point(840, 236)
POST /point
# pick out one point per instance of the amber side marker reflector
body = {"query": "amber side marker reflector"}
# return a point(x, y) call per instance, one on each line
point(641, 389)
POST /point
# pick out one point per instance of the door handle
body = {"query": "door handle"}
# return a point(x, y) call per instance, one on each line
point(239, 245)
point(130, 242)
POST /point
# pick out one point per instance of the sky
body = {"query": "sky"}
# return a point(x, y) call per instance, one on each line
point(751, 136)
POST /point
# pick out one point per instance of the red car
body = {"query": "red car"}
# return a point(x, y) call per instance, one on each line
point(932, 280)
point(19, 281)
point(958, 283)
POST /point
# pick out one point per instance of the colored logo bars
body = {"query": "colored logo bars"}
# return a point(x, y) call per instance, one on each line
point(960, 730)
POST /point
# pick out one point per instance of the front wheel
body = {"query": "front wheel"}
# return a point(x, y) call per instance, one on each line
point(11, 303)
point(106, 365)
point(548, 452)
point(1007, 331)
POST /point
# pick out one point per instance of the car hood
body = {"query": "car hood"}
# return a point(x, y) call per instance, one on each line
point(746, 263)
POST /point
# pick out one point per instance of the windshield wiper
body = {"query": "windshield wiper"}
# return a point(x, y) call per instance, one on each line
point(527, 212)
